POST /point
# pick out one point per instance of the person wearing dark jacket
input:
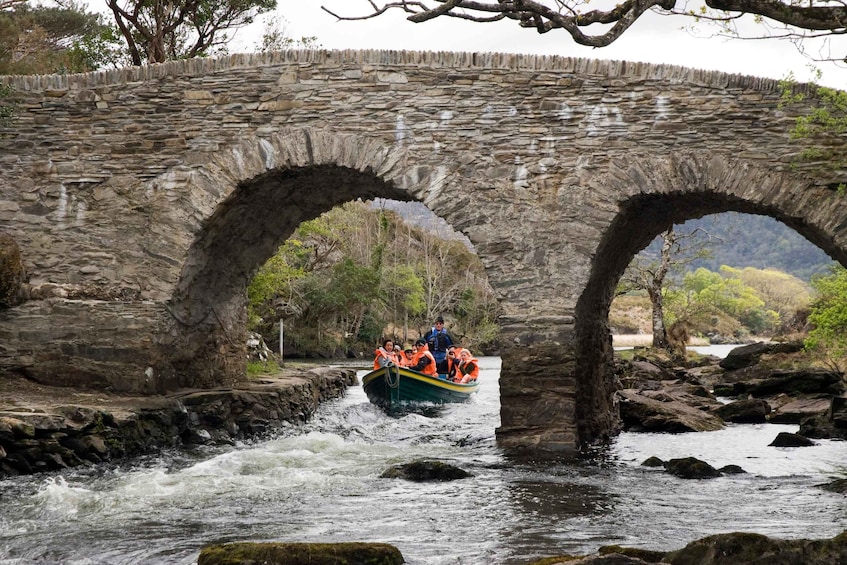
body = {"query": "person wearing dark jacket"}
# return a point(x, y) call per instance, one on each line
point(422, 360)
point(439, 341)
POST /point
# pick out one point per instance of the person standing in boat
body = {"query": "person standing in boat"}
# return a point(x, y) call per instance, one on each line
point(468, 369)
point(439, 340)
point(422, 360)
point(385, 355)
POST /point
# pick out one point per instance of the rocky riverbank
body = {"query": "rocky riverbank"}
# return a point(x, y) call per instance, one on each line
point(756, 383)
point(45, 428)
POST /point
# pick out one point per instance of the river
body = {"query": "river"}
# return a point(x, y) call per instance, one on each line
point(320, 482)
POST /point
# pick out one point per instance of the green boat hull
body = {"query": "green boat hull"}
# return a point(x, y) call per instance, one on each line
point(391, 386)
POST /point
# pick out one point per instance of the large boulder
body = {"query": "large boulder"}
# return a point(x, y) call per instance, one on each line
point(246, 553)
point(750, 411)
point(748, 355)
point(793, 411)
point(793, 382)
point(755, 549)
point(664, 411)
point(832, 424)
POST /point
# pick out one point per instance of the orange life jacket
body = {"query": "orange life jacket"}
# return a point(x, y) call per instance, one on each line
point(382, 354)
point(469, 370)
point(453, 363)
point(430, 368)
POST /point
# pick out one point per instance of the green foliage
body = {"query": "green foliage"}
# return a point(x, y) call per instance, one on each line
point(42, 39)
point(356, 273)
point(706, 299)
point(258, 368)
point(828, 316)
point(828, 117)
point(781, 292)
point(160, 30)
point(7, 109)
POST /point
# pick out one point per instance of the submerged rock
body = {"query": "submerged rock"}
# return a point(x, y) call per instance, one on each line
point(838, 485)
point(653, 461)
point(785, 439)
point(425, 471)
point(300, 553)
point(691, 468)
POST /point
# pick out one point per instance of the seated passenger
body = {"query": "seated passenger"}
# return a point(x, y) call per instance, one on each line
point(453, 359)
point(385, 355)
point(422, 360)
point(400, 358)
point(469, 368)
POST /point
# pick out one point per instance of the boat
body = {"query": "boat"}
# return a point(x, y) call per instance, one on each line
point(393, 385)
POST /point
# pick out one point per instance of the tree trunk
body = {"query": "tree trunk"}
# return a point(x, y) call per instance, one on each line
point(660, 338)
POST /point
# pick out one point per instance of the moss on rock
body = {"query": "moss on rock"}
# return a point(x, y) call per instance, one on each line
point(353, 553)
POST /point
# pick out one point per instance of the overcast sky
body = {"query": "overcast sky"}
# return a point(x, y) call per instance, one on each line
point(653, 38)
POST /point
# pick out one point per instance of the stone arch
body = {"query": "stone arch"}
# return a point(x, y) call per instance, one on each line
point(654, 194)
point(249, 199)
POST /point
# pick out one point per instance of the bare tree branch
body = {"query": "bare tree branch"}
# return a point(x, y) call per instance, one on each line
point(827, 16)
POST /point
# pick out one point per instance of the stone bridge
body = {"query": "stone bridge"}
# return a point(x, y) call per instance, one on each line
point(143, 200)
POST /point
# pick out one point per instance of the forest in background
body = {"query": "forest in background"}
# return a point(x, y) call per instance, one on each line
point(747, 240)
point(365, 271)
point(359, 273)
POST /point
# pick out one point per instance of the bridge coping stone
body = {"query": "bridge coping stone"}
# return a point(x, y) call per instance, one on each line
point(455, 60)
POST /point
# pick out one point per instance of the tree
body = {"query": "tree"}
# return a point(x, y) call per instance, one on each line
point(43, 39)
point(788, 19)
point(828, 316)
point(781, 292)
point(649, 273)
point(351, 275)
point(723, 295)
point(275, 37)
point(159, 30)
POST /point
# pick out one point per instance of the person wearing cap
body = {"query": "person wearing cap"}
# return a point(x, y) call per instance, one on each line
point(439, 340)
point(422, 360)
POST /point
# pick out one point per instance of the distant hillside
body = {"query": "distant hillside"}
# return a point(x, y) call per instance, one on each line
point(741, 240)
point(746, 240)
point(417, 214)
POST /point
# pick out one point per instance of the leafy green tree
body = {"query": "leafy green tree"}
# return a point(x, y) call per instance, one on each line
point(43, 39)
point(828, 316)
point(160, 30)
point(649, 272)
point(272, 292)
point(356, 273)
point(781, 292)
point(707, 298)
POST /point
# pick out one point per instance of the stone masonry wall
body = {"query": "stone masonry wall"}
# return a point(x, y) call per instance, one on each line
point(156, 192)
